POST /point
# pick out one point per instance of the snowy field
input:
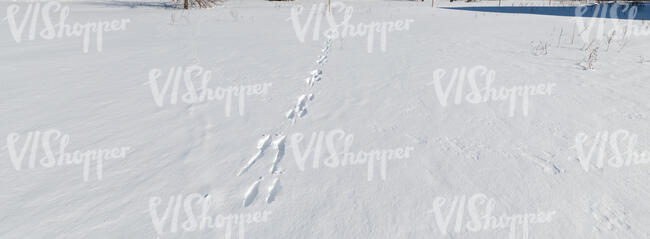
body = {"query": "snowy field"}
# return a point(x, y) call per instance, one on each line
point(126, 119)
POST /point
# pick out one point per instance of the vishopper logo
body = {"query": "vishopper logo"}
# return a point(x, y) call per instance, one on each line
point(343, 28)
point(338, 142)
point(171, 87)
point(482, 219)
point(483, 92)
point(58, 156)
point(616, 149)
point(37, 13)
point(194, 203)
point(611, 21)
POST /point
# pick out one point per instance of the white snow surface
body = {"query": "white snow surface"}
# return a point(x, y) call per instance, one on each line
point(103, 100)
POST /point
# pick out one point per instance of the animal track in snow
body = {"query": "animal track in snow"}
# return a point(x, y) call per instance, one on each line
point(328, 45)
point(273, 190)
point(321, 59)
point(278, 144)
point(262, 144)
point(299, 110)
point(250, 195)
point(316, 75)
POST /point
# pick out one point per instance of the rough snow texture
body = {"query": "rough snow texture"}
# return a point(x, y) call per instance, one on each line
point(526, 163)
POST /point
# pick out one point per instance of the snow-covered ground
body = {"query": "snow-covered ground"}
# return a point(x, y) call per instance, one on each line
point(247, 121)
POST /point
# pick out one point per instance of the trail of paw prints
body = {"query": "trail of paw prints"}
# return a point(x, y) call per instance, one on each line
point(300, 109)
point(262, 144)
point(251, 193)
point(273, 189)
point(278, 145)
point(277, 142)
point(316, 75)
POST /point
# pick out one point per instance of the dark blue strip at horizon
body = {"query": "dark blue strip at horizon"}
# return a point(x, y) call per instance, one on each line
point(605, 10)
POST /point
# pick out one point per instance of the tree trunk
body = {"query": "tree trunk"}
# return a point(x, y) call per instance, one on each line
point(186, 4)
